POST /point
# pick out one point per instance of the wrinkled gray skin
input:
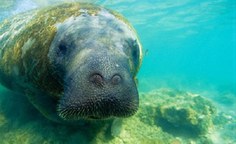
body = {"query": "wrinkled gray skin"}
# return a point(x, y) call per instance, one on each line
point(99, 89)
point(95, 56)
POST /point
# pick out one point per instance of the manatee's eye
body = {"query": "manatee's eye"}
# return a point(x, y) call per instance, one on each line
point(132, 49)
point(96, 79)
point(135, 53)
point(116, 79)
point(62, 48)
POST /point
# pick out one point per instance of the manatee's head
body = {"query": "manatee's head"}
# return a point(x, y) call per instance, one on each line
point(100, 86)
point(99, 56)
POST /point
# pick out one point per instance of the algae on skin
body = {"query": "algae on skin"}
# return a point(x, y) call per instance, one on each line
point(39, 26)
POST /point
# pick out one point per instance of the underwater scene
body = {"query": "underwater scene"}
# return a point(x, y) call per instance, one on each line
point(182, 68)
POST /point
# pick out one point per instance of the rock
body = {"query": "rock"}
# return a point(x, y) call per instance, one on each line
point(178, 112)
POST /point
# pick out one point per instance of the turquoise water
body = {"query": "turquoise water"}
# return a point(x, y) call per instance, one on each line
point(188, 45)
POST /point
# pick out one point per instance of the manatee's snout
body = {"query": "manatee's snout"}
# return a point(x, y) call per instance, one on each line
point(100, 87)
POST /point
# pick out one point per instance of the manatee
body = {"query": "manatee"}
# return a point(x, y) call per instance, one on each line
point(72, 61)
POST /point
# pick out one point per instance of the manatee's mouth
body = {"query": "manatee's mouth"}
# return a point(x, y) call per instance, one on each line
point(97, 108)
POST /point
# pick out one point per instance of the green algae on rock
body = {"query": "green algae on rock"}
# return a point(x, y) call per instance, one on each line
point(182, 112)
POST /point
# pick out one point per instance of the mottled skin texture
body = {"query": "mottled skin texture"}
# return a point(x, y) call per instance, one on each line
point(72, 61)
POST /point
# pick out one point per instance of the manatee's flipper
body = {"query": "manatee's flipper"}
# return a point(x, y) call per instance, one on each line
point(45, 104)
point(116, 127)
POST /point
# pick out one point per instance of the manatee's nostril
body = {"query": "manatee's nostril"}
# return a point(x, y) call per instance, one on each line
point(116, 79)
point(96, 79)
